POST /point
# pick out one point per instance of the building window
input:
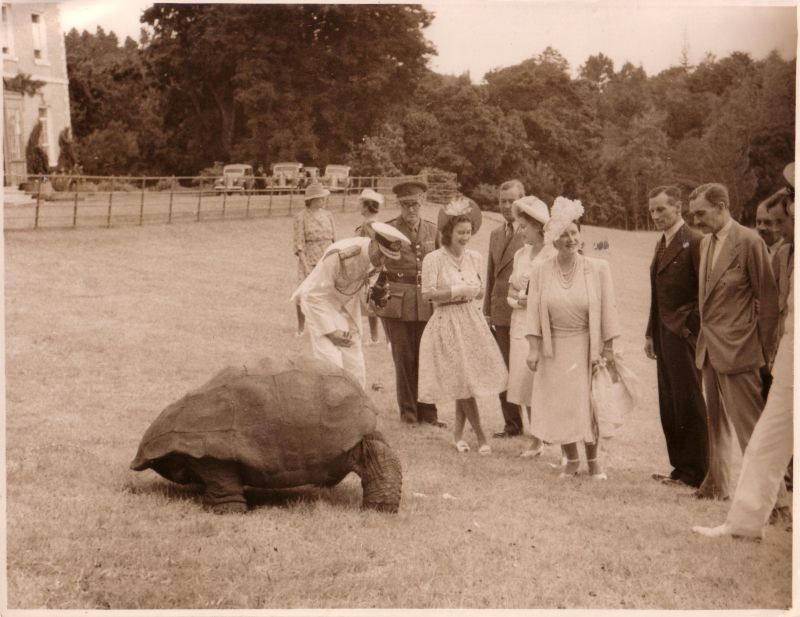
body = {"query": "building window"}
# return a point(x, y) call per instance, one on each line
point(39, 37)
point(44, 137)
point(8, 32)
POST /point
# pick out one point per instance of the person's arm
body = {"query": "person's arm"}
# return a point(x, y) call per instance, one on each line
point(434, 291)
point(487, 298)
point(317, 306)
point(762, 284)
point(609, 318)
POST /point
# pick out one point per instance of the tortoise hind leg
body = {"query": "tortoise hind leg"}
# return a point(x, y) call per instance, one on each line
point(224, 491)
point(380, 471)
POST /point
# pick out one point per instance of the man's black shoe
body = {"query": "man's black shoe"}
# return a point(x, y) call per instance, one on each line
point(504, 434)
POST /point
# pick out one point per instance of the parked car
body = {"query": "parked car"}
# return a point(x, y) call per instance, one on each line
point(287, 174)
point(236, 178)
point(337, 177)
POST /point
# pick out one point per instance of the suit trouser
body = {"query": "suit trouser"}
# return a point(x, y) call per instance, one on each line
point(730, 399)
point(511, 411)
point(682, 407)
point(350, 358)
point(405, 337)
point(769, 451)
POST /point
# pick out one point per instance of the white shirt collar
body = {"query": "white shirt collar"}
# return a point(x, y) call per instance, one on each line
point(722, 234)
point(669, 234)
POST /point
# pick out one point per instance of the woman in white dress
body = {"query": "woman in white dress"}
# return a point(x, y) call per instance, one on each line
point(532, 214)
point(458, 357)
point(571, 324)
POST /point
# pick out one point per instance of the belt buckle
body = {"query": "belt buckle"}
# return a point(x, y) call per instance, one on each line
point(419, 278)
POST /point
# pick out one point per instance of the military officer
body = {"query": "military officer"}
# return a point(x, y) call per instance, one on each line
point(330, 295)
point(406, 313)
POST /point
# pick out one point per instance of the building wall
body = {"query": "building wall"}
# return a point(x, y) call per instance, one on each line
point(19, 44)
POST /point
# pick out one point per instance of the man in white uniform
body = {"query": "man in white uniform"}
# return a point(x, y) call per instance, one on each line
point(330, 296)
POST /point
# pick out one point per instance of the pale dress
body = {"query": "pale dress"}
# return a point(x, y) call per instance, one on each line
point(314, 231)
point(520, 377)
point(560, 407)
point(458, 356)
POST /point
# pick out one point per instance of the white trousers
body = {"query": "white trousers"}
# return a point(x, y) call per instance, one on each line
point(350, 358)
point(769, 450)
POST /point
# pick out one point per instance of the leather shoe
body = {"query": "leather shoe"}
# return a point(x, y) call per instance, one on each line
point(675, 482)
point(407, 418)
point(505, 434)
point(436, 423)
point(660, 477)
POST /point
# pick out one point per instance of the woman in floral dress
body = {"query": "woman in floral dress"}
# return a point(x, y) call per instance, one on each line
point(314, 231)
point(459, 359)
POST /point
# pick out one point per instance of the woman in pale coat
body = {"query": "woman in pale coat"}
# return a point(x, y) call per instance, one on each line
point(571, 324)
point(531, 214)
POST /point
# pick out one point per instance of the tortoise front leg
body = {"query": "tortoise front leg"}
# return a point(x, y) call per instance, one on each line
point(224, 491)
point(380, 471)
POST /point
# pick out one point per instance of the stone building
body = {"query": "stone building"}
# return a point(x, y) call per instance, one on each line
point(35, 84)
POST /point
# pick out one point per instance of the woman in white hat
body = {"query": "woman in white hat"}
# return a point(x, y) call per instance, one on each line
point(458, 357)
point(532, 214)
point(371, 202)
point(314, 231)
point(571, 323)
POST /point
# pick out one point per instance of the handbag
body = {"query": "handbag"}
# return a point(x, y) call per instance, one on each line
point(614, 393)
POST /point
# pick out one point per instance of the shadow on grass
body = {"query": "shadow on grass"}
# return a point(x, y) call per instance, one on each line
point(343, 495)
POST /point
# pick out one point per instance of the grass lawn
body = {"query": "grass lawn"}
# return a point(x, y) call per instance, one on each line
point(104, 328)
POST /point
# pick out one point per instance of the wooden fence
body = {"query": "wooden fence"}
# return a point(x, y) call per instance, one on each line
point(102, 201)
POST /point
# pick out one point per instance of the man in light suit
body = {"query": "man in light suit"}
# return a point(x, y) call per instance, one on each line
point(671, 339)
point(760, 482)
point(738, 318)
point(504, 241)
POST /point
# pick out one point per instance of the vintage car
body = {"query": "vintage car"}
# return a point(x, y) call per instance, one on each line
point(236, 178)
point(337, 177)
point(287, 174)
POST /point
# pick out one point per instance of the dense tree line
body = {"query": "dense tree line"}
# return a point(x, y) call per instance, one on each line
point(346, 83)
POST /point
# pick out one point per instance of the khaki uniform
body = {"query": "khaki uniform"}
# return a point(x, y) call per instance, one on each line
point(405, 315)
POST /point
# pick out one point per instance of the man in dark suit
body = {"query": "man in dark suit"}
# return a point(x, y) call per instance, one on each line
point(405, 314)
point(671, 336)
point(738, 302)
point(504, 241)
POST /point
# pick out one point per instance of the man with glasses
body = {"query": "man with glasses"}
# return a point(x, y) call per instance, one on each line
point(405, 314)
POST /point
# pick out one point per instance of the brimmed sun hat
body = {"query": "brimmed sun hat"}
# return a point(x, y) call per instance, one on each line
point(458, 207)
point(533, 207)
point(390, 239)
point(315, 190)
point(370, 195)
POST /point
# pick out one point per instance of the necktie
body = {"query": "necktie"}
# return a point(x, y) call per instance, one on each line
point(712, 249)
point(662, 246)
point(509, 230)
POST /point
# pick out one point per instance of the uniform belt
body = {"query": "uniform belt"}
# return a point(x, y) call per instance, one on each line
point(410, 278)
point(452, 302)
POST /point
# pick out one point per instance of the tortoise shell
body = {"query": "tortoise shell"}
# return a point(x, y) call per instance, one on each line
point(286, 421)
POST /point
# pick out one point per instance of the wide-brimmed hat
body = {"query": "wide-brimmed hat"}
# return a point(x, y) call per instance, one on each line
point(409, 189)
point(370, 195)
point(533, 207)
point(459, 207)
point(390, 239)
point(788, 174)
point(315, 190)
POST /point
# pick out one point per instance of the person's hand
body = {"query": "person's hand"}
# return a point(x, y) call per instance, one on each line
point(340, 338)
point(522, 300)
point(648, 348)
point(488, 319)
point(608, 355)
point(533, 359)
point(463, 292)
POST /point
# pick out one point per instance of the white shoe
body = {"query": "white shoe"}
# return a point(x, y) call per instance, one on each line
point(713, 532)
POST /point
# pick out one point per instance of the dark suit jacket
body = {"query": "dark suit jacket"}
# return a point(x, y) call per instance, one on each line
point(674, 285)
point(405, 298)
point(738, 305)
point(500, 265)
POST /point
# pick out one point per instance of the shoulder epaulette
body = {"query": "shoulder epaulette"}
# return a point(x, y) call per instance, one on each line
point(349, 251)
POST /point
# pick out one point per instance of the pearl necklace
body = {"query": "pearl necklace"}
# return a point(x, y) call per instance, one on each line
point(565, 279)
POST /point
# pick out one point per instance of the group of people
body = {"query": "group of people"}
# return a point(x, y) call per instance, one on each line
point(720, 302)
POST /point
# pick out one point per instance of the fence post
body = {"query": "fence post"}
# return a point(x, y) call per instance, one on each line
point(171, 193)
point(269, 207)
point(141, 205)
point(291, 194)
point(75, 211)
point(344, 199)
point(199, 200)
point(38, 204)
point(108, 216)
point(224, 200)
point(247, 206)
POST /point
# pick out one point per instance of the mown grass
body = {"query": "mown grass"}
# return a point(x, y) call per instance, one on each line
point(106, 327)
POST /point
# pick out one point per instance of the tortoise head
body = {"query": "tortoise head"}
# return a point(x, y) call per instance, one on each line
point(380, 471)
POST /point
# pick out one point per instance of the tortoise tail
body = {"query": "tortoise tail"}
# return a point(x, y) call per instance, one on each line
point(380, 471)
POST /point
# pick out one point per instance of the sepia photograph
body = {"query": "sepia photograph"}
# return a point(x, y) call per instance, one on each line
point(456, 306)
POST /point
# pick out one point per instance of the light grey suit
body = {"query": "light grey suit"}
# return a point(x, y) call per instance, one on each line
point(738, 303)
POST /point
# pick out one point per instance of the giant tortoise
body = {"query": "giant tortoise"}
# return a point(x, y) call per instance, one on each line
point(274, 423)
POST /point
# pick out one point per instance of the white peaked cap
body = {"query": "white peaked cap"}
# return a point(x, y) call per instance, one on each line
point(533, 207)
point(371, 196)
